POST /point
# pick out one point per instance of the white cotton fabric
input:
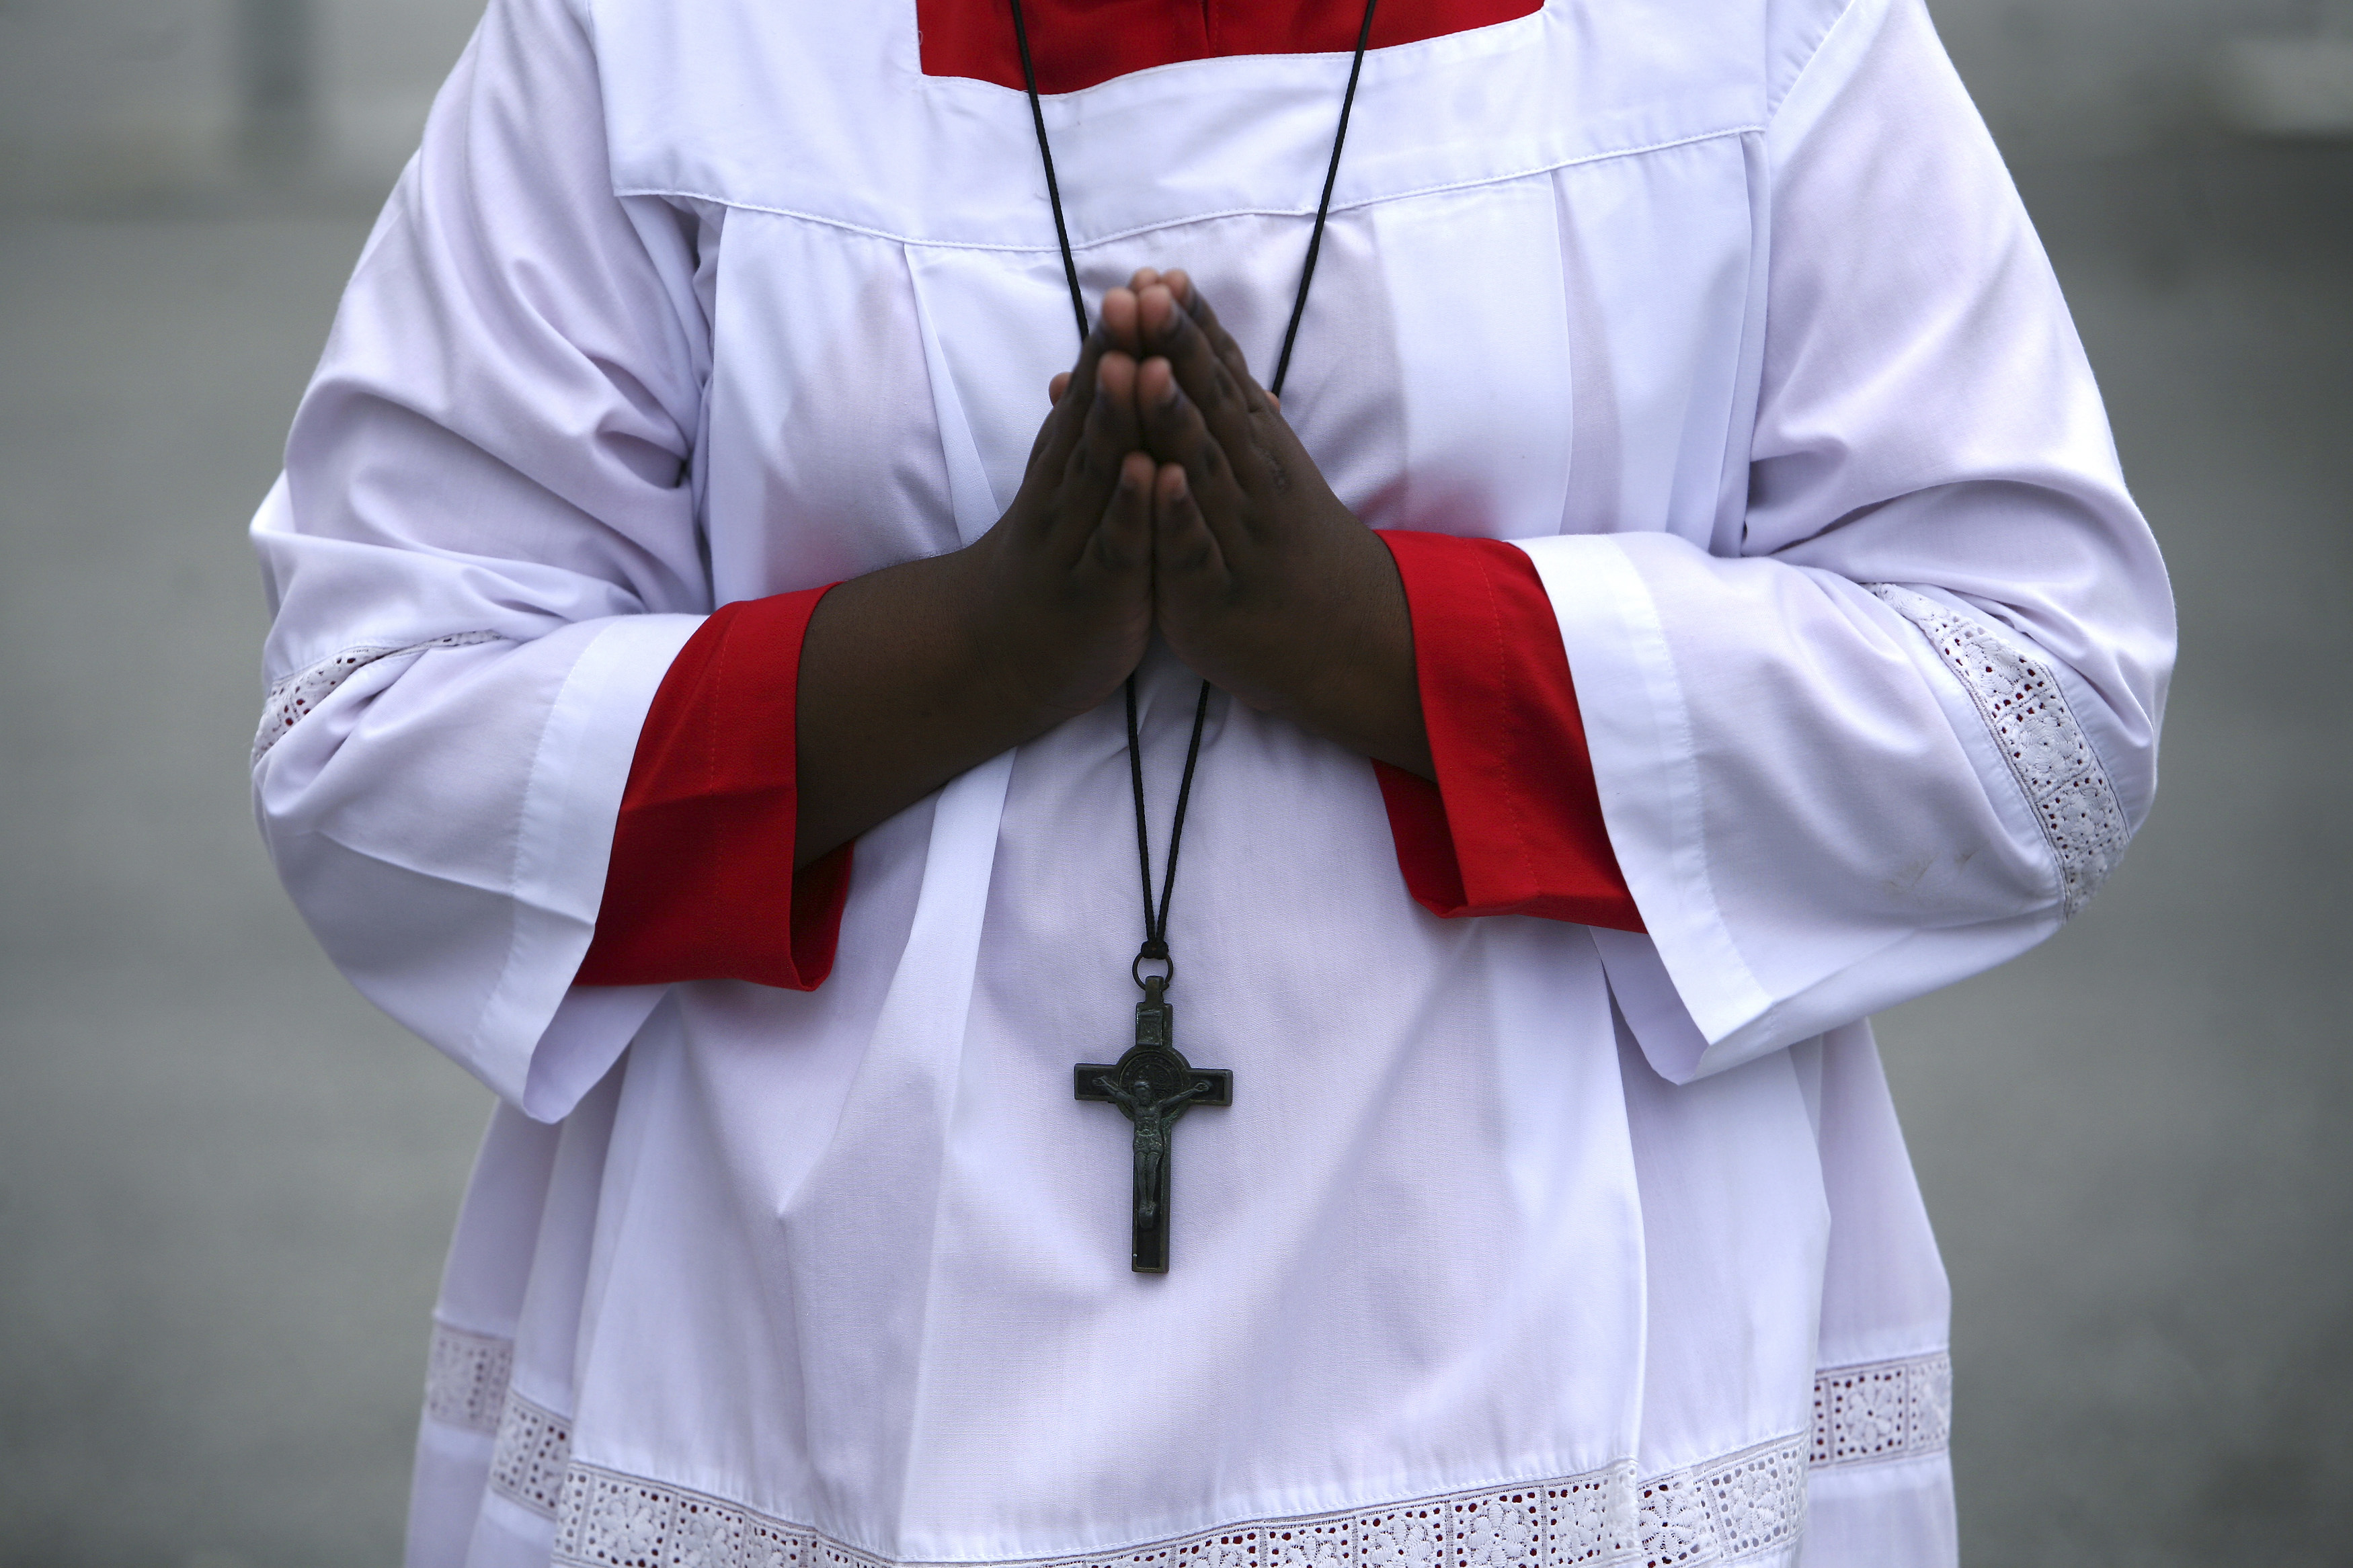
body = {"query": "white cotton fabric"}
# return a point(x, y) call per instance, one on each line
point(1720, 310)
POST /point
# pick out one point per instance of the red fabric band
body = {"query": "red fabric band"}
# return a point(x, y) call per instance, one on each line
point(702, 885)
point(1512, 826)
point(1077, 44)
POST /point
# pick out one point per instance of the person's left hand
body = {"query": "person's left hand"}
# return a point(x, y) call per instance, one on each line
point(1263, 581)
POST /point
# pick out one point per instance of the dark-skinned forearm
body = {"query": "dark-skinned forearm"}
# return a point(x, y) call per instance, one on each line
point(903, 687)
point(899, 692)
point(1368, 694)
point(1356, 683)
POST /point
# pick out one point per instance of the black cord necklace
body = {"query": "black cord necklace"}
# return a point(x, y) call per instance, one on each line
point(1153, 1084)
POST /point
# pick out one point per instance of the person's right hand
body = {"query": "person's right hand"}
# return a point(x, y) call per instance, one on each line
point(1061, 588)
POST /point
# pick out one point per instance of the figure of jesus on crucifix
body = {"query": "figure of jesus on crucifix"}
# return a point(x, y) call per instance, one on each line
point(1152, 1119)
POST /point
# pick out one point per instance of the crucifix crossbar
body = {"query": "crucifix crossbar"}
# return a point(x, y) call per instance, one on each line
point(1153, 1085)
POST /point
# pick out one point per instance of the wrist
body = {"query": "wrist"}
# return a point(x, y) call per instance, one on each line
point(1361, 688)
point(1015, 660)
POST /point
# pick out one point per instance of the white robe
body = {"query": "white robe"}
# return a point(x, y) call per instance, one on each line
point(1522, 1243)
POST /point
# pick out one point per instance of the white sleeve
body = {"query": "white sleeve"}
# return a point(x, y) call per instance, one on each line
point(1907, 730)
point(483, 558)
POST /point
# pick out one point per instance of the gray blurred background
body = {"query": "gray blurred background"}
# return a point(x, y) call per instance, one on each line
point(225, 1183)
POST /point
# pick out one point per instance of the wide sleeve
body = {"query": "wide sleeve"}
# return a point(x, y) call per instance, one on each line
point(483, 558)
point(1901, 727)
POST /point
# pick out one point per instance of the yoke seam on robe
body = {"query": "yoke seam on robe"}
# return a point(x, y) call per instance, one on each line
point(661, 193)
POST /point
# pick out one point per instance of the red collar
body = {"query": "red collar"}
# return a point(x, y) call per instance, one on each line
point(1078, 42)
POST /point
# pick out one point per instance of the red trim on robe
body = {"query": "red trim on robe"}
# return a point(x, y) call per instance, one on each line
point(702, 885)
point(1078, 44)
point(1512, 826)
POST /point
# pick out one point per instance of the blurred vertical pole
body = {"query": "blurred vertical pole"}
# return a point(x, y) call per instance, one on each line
point(278, 109)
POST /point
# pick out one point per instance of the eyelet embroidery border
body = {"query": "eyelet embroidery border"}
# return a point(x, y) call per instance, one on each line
point(532, 1458)
point(1729, 1509)
point(466, 1378)
point(2023, 704)
point(1717, 1513)
point(291, 699)
point(1883, 1410)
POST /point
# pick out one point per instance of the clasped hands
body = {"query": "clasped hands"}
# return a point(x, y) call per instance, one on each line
point(1165, 488)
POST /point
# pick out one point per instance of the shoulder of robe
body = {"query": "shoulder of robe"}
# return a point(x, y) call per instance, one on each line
point(822, 110)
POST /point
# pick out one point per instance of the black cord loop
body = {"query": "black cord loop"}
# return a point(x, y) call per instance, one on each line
point(1156, 923)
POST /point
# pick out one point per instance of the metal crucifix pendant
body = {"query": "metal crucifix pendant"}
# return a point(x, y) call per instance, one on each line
point(1153, 1085)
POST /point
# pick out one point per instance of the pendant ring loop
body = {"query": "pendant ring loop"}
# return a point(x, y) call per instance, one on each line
point(1135, 971)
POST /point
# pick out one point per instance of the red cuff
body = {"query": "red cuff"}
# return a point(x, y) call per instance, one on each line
point(1512, 826)
point(702, 885)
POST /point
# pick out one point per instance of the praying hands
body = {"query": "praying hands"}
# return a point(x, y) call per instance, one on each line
point(1164, 489)
point(1264, 581)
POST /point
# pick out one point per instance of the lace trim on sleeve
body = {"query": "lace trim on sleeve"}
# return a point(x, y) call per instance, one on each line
point(295, 696)
point(2046, 748)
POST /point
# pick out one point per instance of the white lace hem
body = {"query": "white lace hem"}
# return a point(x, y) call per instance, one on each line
point(2045, 746)
point(291, 698)
point(1736, 1508)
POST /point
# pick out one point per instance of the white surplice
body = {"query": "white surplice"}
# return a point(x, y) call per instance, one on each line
point(1522, 1243)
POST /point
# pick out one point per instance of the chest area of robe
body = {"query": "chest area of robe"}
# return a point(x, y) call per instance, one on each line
point(828, 112)
point(1530, 313)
